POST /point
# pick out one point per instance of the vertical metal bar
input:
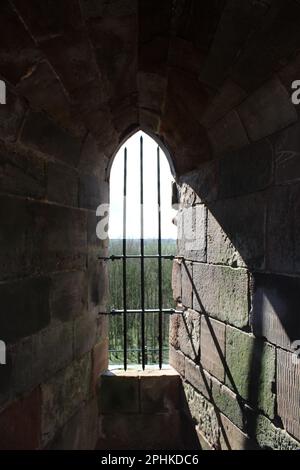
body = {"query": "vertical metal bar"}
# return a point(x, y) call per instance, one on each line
point(124, 260)
point(142, 252)
point(160, 332)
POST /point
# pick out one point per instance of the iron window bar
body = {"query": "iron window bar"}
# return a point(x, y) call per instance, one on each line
point(142, 256)
point(170, 311)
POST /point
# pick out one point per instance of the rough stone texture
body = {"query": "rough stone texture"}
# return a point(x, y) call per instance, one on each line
point(189, 334)
point(236, 231)
point(127, 432)
point(267, 110)
point(228, 403)
point(155, 420)
point(270, 437)
point(187, 284)
point(192, 233)
point(202, 185)
point(188, 72)
point(20, 423)
point(68, 295)
point(213, 347)
point(119, 393)
point(176, 281)
point(160, 392)
point(80, 432)
point(204, 414)
point(198, 377)
point(255, 160)
point(24, 308)
point(275, 308)
point(62, 185)
point(251, 369)
point(42, 134)
point(228, 134)
point(288, 382)
point(22, 174)
point(232, 438)
point(227, 300)
point(176, 360)
point(62, 395)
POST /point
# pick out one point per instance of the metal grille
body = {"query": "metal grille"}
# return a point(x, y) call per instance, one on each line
point(124, 257)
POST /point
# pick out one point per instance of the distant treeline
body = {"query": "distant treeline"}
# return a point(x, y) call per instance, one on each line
point(134, 301)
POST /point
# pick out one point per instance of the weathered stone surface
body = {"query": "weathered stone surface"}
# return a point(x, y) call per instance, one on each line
point(97, 285)
point(52, 350)
point(100, 359)
point(62, 395)
point(176, 281)
point(118, 392)
point(255, 161)
point(269, 437)
point(280, 243)
point(275, 300)
point(221, 292)
point(62, 185)
point(20, 423)
point(189, 334)
point(44, 135)
point(228, 134)
point(80, 432)
point(90, 192)
point(64, 242)
point(288, 383)
point(202, 184)
point(85, 330)
point(229, 96)
point(232, 438)
point(198, 377)
point(267, 110)
point(187, 284)
point(160, 391)
point(228, 403)
point(24, 308)
point(287, 154)
point(22, 174)
point(68, 295)
point(204, 414)
point(176, 360)
point(251, 369)
point(236, 231)
point(16, 377)
point(173, 330)
point(212, 347)
point(192, 233)
point(127, 431)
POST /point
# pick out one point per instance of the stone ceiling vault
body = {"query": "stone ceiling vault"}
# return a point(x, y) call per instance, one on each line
point(177, 68)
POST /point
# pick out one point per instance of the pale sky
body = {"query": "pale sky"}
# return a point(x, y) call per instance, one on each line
point(133, 191)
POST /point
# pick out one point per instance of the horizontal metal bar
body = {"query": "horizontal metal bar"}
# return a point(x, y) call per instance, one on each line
point(136, 350)
point(118, 257)
point(170, 311)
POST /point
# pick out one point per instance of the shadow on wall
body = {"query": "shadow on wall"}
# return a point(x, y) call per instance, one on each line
point(242, 278)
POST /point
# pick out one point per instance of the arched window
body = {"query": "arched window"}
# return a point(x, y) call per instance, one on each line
point(142, 246)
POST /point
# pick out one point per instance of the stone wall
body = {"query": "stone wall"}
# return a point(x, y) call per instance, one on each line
point(52, 285)
point(238, 228)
